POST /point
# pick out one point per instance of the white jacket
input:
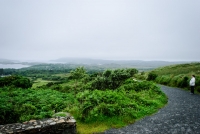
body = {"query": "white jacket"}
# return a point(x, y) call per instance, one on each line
point(192, 82)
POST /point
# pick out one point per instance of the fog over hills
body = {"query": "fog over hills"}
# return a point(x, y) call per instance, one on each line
point(137, 63)
point(90, 61)
point(7, 61)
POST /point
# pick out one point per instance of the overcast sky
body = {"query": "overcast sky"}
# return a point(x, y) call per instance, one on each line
point(103, 29)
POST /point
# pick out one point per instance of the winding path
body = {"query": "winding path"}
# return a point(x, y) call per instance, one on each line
point(180, 116)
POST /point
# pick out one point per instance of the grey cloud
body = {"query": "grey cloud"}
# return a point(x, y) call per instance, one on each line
point(114, 29)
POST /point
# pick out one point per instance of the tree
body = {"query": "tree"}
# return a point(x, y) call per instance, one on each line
point(118, 76)
point(1, 71)
point(152, 76)
point(77, 74)
point(132, 71)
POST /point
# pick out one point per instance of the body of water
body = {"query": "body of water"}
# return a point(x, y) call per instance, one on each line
point(15, 66)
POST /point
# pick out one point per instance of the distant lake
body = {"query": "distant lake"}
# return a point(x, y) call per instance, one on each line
point(15, 66)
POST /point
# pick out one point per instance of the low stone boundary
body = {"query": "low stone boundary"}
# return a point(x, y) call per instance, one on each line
point(57, 125)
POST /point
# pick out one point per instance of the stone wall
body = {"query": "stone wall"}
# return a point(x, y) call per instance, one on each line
point(57, 125)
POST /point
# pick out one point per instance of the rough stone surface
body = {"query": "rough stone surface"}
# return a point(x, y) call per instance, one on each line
point(57, 125)
point(180, 116)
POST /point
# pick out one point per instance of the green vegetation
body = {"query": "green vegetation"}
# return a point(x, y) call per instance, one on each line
point(15, 81)
point(98, 101)
point(176, 75)
point(19, 105)
point(128, 101)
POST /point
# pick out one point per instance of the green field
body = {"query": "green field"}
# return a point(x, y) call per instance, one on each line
point(39, 82)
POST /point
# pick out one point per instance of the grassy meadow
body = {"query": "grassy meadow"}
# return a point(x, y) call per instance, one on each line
point(40, 82)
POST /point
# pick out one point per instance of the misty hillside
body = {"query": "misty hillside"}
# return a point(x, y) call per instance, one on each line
point(136, 63)
point(96, 63)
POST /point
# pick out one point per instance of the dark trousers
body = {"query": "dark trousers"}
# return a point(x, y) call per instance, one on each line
point(192, 89)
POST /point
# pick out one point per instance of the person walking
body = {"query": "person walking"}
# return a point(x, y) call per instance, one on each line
point(192, 84)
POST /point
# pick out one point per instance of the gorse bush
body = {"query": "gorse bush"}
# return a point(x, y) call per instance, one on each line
point(112, 79)
point(102, 103)
point(129, 84)
point(152, 76)
point(15, 81)
point(124, 101)
point(18, 105)
point(163, 79)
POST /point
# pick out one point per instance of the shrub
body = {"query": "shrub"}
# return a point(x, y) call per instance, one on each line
point(152, 76)
point(197, 89)
point(145, 86)
point(107, 103)
point(165, 79)
point(183, 82)
point(15, 81)
point(112, 79)
point(19, 105)
point(124, 101)
point(141, 76)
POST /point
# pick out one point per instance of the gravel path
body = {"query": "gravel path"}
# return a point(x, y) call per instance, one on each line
point(180, 116)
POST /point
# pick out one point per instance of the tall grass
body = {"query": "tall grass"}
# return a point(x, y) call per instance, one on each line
point(178, 75)
point(101, 110)
point(187, 69)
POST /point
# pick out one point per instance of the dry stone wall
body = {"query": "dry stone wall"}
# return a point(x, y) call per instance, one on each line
point(57, 125)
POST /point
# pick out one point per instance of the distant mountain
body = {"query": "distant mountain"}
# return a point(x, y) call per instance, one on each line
point(127, 63)
point(6, 61)
point(138, 64)
point(81, 61)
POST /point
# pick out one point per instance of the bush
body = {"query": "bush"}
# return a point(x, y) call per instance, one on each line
point(130, 84)
point(15, 81)
point(151, 76)
point(19, 105)
point(124, 101)
point(112, 79)
point(165, 79)
point(104, 103)
point(141, 76)
point(197, 89)
point(183, 82)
